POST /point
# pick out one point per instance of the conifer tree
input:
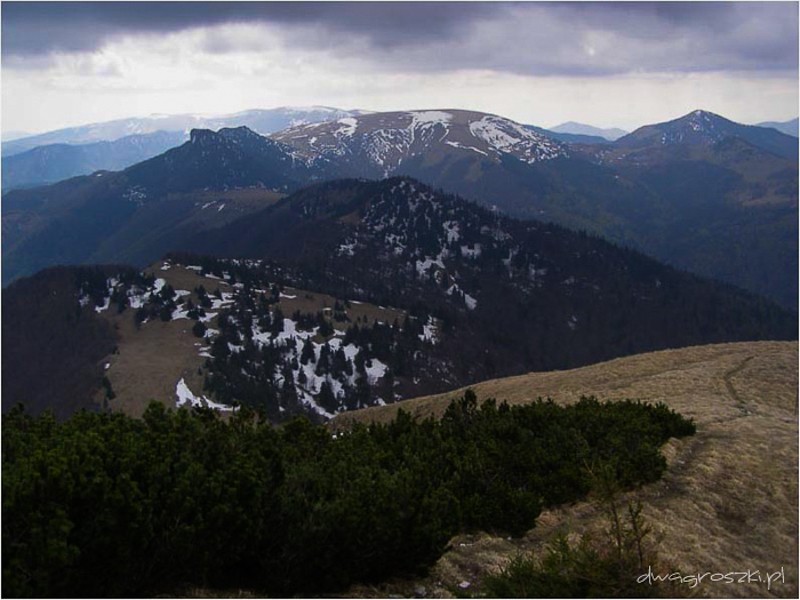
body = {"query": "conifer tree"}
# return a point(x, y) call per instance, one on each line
point(307, 353)
point(326, 398)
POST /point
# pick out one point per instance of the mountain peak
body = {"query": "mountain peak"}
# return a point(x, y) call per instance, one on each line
point(703, 113)
point(235, 134)
point(200, 136)
point(703, 117)
point(698, 123)
point(703, 128)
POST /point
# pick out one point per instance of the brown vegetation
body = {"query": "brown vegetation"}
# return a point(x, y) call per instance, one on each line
point(728, 501)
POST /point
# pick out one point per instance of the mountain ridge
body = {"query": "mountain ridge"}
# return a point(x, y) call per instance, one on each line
point(572, 127)
point(51, 163)
point(261, 120)
point(458, 293)
point(725, 207)
point(139, 212)
point(789, 127)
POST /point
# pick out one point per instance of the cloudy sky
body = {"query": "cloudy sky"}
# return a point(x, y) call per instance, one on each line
point(609, 64)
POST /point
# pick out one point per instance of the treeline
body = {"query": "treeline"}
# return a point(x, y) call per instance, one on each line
point(107, 505)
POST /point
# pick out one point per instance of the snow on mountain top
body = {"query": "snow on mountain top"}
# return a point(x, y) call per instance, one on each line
point(350, 126)
point(430, 116)
point(503, 135)
point(312, 108)
point(386, 139)
point(492, 131)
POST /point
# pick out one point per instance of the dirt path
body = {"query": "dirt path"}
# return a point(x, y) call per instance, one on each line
point(732, 390)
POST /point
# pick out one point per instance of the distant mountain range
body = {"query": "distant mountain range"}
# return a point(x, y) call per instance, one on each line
point(569, 138)
point(115, 145)
point(9, 135)
point(137, 214)
point(56, 162)
point(57, 155)
point(700, 192)
point(610, 134)
point(788, 127)
point(263, 121)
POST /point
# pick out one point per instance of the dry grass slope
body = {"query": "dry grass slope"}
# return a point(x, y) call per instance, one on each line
point(729, 500)
point(153, 358)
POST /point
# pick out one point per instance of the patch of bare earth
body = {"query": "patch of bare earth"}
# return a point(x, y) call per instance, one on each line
point(307, 302)
point(729, 499)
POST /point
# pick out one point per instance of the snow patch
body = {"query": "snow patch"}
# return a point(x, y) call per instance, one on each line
point(99, 309)
point(572, 323)
point(451, 230)
point(473, 252)
point(429, 331)
point(470, 301)
point(349, 126)
point(424, 265)
point(430, 117)
point(186, 397)
point(347, 249)
point(375, 371)
point(465, 147)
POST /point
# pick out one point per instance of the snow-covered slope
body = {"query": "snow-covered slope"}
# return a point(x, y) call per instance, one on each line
point(383, 141)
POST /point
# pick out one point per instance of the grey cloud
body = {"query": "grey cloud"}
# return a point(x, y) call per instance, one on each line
point(541, 38)
point(42, 27)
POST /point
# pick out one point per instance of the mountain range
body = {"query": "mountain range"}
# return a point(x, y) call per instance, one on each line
point(609, 133)
point(137, 214)
point(701, 192)
point(53, 156)
point(429, 290)
point(55, 162)
point(115, 145)
point(788, 127)
point(261, 120)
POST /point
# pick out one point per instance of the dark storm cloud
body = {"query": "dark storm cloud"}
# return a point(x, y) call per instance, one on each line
point(524, 38)
point(43, 27)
